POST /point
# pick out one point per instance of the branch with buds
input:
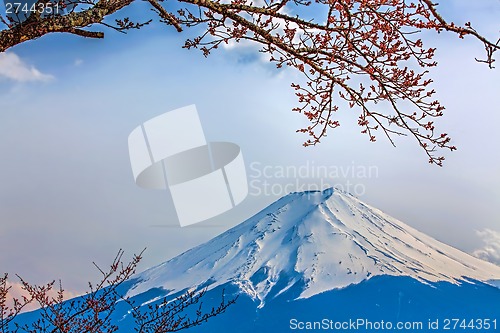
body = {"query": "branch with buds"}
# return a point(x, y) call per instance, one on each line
point(93, 311)
point(358, 54)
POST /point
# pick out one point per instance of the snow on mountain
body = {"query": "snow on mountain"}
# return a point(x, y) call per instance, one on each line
point(319, 241)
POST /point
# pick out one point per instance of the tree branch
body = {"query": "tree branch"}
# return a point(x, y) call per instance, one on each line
point(359, 54)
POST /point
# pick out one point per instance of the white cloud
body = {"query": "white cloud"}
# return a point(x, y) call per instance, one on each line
point(491, 250)
point(12, 67)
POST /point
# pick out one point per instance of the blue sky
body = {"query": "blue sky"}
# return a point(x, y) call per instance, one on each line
point(67, 105)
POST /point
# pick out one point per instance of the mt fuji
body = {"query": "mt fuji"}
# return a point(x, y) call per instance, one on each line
point(325, 240)
point(314, 259)
point(312, 249)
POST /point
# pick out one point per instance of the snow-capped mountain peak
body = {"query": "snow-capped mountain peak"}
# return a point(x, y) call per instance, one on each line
point(319, 241)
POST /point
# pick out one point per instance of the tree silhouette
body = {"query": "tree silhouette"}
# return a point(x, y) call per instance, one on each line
point(360, 54)
point(92, 312)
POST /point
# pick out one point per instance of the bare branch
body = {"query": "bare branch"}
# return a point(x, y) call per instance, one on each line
point(93, 311)
point(164, 14)
point(359, 54)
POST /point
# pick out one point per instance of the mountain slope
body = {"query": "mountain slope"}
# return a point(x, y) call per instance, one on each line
point(313, 241)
